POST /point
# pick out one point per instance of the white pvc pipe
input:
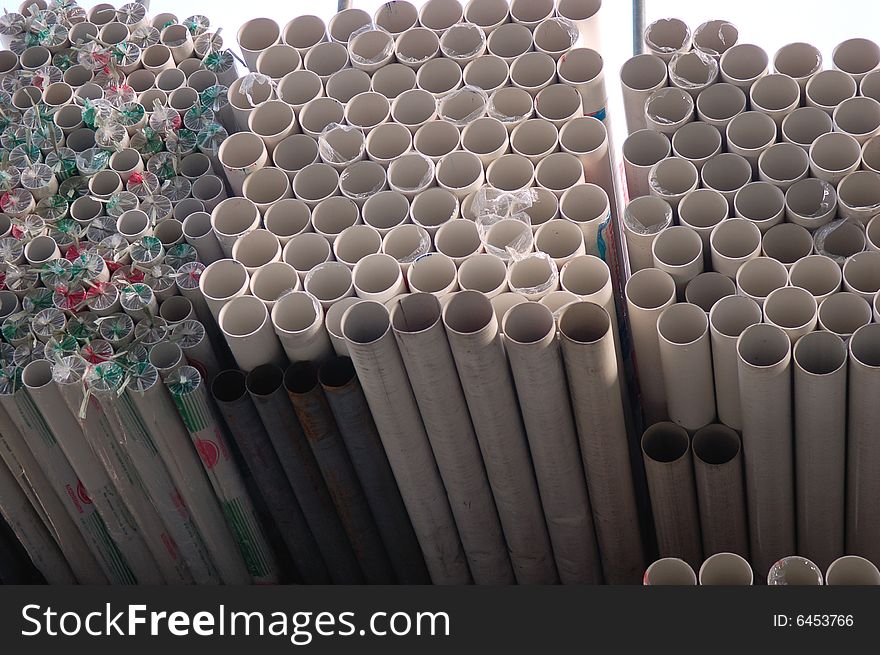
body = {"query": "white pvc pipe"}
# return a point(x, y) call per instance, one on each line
point(535, 139)
point(649, 292)
point(701, 210)
point(856, 57)
point(256, 35)
point(670, 571)
point(672, 179)
point(530, 13)
point(872, 234)
point(485, 273)
point(819, 275)
point(759, 277)
point(644, 218)
point(298, 321)
point(776, 95)
point(804, 125)
point(858, 117)
point(871, 153)
point(532, 72)
point(761, 203)
point(582, 68)
point(241, 154)
point(843, 313)
point(668, 109)
point(669, 471)
point(820, 378)
point(594, 385)
point(439, 77)
point(316, 183)
point(693, 71)
point(861, 512)
point(533, 349)
point(378, 277)
point(707, 289)
point(222, 281)
point(406, 243)
point(764, 361)
point(810, 203)
point(726, 569)
point(440, 15)
point(303, 32)
point(256, 249)
point(232, 219)
point(329, 282)
point(245, 324)
point(798, 60)
point(367, 330)
point(727, 320)
point(726, 173)
point(787, 243)
point(356, 242)
point(486, 137)
point(678, 250)
point(839, 240)
point(641, 151)
point(792, 309)
point(833, 156)
point(749, 134)
point(266, 187)
point(686, 365)
point(385, 210)
point(783, 164)
point(719, 104)
point(858, 196)
point(209, 190)
point(461, 173)
point(696, 142)
point(288, 218)
point(733, 242)
point(424, 348)
point(666, 37)
point(828, 88)
point(534, 276)
point(561, 240)
point(852, 570)
point(743, 64)
point(411, 174)
point(487, 72)
point(487, 14)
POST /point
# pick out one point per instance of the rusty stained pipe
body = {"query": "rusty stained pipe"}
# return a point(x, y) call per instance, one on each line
point(316, 419)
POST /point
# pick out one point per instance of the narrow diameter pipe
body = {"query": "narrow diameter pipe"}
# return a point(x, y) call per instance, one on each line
point(726, 569)
point(852, 570)
point(670, 571)
point(794, 571)
point(424, 349)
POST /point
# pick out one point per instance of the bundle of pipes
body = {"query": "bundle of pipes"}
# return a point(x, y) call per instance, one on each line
point(131, 439)
point(752, 236)
point(730, 569)
point(109, 131)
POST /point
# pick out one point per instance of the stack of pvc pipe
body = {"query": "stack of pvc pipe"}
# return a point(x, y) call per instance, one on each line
point(110, 135)
point(751, 236)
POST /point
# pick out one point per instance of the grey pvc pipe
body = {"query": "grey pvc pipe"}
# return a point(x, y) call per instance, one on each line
point(667, 455)
point(721, 492)
point(532, 347)
point(594, 386)
point(475, 341)
point(765, 388)
point(670, 571)
point(319, 426)
point(265, 386)
point(852, 570)
point(820, 371)
point(424, 348)
point(366, 327)
point(230, 392)
point(355, 423)
point(726, 569)
point(863, 447)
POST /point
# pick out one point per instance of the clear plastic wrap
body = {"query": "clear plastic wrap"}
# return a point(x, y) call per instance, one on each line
point(552, 281)
point(463, 106)
point(830, 239)
point(375, 57)
point(683, 79)
point(476, 38)
point(329, 154)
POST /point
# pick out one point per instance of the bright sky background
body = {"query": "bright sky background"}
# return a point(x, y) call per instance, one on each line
point(768, 23)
